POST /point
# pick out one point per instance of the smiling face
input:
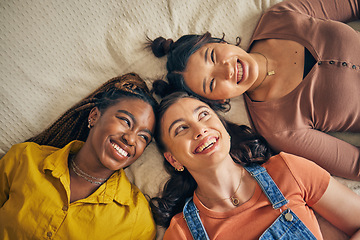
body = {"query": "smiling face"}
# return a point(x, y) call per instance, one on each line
point(120, 134)
point(220, 71)
point(193, 135)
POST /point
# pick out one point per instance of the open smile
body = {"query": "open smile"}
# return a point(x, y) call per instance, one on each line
point(240, 71)
point(119, 150)
point(206, 146)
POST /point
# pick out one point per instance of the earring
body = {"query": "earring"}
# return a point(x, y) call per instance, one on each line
point(89, 125)
point(180, 169)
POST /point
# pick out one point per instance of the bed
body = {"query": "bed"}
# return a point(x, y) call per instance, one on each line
point(54, 53)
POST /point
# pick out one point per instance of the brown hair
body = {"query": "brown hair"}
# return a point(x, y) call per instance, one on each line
point(247, 147)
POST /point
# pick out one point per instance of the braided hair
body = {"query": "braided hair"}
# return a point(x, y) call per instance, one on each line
point(246, 147)
point(73, 124)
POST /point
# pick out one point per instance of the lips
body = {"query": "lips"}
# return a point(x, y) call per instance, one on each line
point(206, 145)
point(240, 72)
point(121, 151)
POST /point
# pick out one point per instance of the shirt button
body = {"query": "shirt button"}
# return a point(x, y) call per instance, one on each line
point(320, 62)
point(353, 66)
point(289, 217)
point(49, 234)
point(344, 64)
point(331, 62)
point(65, 208)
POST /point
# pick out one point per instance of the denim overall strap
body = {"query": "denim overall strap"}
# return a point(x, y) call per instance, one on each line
point(287, 226)
point(192, 218)
point(268, 186)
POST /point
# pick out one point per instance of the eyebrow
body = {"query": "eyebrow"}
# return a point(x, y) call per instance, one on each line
point(206, 59)
point(182, 119)
point(134, 120)
point(127, 113)
point(174, 122)
point(204, 85)
point(206, 55)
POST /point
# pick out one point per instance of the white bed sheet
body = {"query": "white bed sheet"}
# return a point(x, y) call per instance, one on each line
point(54, 53)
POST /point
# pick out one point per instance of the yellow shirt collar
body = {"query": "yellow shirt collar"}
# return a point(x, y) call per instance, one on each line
point(116, 188)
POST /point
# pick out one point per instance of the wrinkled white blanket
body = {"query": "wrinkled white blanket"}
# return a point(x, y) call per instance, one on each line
point(53, 53)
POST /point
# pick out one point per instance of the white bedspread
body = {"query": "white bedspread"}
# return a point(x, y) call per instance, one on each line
point(54, 53)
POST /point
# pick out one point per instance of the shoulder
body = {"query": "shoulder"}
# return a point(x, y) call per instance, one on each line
point(28, 149)
point(178, 228)
point(137, 207)
point(292, 164)
point(292, 172)
point(128, 194)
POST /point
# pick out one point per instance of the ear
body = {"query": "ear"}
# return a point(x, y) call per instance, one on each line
point(94, 115)
point(170, 158)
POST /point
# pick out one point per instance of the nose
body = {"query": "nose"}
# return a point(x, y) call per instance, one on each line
point(129, 138)
point(224, 70)
point(199, 131)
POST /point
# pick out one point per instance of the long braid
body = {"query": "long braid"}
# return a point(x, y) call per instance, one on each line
point(72, 125)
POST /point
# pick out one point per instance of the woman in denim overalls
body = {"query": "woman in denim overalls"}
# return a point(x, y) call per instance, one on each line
point(225, 182)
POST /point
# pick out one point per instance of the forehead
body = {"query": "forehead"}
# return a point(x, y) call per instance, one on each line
point(181, 109)
point(195, 70)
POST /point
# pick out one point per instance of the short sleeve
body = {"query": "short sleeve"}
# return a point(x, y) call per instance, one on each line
point(311, 178)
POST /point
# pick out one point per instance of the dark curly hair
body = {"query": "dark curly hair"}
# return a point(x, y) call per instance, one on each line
point(246, 147)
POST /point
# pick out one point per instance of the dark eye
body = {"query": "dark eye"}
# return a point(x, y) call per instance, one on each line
point(203, 114)
point(125, 120)
point(179, 129)
point(146, 138)
point(212, 56)
point(211, 87)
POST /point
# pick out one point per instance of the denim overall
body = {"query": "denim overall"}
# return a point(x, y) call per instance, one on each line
point(286, 226)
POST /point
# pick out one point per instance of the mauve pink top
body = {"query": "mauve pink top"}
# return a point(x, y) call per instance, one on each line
point(328, 98)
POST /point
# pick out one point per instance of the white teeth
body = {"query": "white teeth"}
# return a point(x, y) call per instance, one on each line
point(119, 150)
point(206, 145)
point(240, 72)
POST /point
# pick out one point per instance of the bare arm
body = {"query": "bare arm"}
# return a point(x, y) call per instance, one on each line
point(341, 207)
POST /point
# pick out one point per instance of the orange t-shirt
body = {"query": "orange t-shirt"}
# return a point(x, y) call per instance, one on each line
point(301, 181)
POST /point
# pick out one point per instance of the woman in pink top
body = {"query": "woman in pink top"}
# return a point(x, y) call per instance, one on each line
point(300, 76)
point(225, 183)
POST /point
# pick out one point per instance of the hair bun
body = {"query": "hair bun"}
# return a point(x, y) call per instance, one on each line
point(161, 88)
point(161, 46)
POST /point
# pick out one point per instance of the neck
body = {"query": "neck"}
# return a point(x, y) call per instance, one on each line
point(219, 183)
point(87, 161)
point(265, 72)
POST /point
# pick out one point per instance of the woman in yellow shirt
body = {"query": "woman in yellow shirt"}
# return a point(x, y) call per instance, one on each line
point(68, 182)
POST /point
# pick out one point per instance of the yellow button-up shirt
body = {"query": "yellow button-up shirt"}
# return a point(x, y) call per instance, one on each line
point(35, 193)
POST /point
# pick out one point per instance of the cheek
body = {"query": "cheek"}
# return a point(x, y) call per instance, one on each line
point(141, 146)
point(181, 148)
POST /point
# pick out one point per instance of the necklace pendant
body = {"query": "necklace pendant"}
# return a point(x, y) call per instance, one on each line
point(271, 73)
point(235, 201)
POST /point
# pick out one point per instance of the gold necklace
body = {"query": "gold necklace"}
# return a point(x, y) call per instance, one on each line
point(82, 174)
point(268, 73)
point(234, 200)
